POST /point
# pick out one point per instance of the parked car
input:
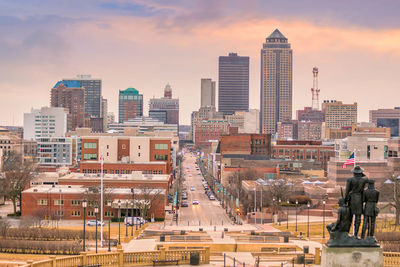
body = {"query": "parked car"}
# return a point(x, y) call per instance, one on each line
point(184, 196)
point(195, 202)
point(93, 223)
point(211, 197)
point(134, 221)
point(192, 188)
point(184, 204)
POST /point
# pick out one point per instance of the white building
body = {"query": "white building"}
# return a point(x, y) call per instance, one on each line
point(246, 121)
point(58, 151)
point(207, 92)
point(45, 122)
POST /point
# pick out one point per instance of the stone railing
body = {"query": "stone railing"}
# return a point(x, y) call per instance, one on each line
point(121, 258)
point(391, 258)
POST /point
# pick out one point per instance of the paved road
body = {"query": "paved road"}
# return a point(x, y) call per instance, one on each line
point(207, 212)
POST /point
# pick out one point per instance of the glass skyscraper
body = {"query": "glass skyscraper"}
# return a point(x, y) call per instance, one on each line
point(233, 84)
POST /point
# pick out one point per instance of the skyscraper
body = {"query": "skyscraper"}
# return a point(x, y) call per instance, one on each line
point(92, 94)
point(276, 82)
point(233, 83)
point(130, 104)
point(207, 93)
point(165, 109)
point(70, 95)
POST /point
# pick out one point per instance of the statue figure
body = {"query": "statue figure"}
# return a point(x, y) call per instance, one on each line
point(354, 196)
point(343, 221)
point(370, 198)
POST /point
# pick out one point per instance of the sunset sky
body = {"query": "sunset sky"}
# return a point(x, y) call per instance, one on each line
point(148, 43)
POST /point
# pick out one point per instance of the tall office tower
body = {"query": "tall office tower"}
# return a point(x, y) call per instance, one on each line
point(276, 82)
point(92, 94)
point(71, 95)
point(165, 109)
point(45, 122)
point(130, 104)
point(338, 115)
point(233, 84)
point(207, 93)
point(104, 112)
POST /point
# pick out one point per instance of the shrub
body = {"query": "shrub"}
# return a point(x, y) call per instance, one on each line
point(302, 199)
point(158, 219)
point(17, 214)
point(116, 219)
point(39, 247)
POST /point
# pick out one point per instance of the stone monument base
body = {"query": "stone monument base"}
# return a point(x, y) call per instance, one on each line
point(351, 256)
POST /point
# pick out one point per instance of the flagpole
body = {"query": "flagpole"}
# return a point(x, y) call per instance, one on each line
point(102, 201)
point(354, 157)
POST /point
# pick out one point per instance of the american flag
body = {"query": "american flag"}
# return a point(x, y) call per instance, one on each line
point(102, 160)
point(349, 161)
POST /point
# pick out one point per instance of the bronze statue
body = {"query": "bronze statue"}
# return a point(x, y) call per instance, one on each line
point(354, 196)
point(343, 221)
point(370, 198)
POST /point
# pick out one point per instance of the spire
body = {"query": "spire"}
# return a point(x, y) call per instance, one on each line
point(276, 35)
point(168, 91)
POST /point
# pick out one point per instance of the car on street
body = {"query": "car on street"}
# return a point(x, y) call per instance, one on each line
point(93, 223)
point(184, 196)
point(211, 197)
point(190, 175)
point(184, 204)
point(195, 202)
point(192, 188)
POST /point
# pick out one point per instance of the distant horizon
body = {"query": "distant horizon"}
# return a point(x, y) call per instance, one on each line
point(147, 44)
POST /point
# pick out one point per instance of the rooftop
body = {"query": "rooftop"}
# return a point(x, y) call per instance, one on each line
point(276, 35)
point(129, 91)
point(134, 176)
point(69, 84)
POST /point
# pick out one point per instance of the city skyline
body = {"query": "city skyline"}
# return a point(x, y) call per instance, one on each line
point(355, 51)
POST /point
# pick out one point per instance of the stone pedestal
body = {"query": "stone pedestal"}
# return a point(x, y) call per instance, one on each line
point(352, 256)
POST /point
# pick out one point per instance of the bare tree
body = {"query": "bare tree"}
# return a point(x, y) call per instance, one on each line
point(18, 174)
point(392, 193)
point(149, 198)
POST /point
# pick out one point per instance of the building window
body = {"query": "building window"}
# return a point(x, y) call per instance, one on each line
point(59, 202)
point(138, 147)
point(90, 156)
point(138, 154)
point(90, 145)
point(59, 213)
point(91, 213)
point(75, 202)
point(109, 214)
point(161, 157)
point(123, 146)
point(76, 213)
point(161, 146)
point(42, 202)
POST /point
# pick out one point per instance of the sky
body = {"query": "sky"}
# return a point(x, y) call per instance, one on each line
point(149, 43)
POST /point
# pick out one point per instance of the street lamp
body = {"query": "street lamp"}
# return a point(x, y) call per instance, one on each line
point(119, 222)
point(96, 211)
point(308, 219)
point(132, 219)
point(287, 214)
point(109, 203)
point(126, 221)
point(323, 223)
point(279, 212)
point(297, 202)
point(84, 205)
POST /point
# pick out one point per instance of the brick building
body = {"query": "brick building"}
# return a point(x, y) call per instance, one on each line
point(165, 104)
point(339, 115)
point(126, 153)
point(64, 202)
point(303, 150)
point(130, 104)
point(246, 144)
point(71, 95)
point(206, 130)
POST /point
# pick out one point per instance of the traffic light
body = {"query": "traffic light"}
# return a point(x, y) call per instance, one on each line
point(237, 210)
